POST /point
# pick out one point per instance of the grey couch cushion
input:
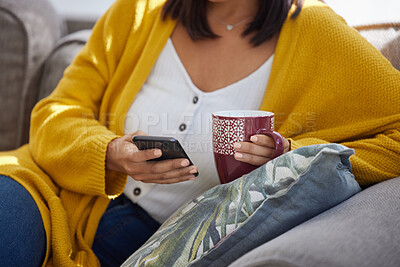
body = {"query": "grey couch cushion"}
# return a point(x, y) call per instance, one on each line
point(28, 31)
point(362, 231)
point(60, 58)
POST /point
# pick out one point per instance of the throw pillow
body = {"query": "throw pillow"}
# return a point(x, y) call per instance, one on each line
point(229, 220)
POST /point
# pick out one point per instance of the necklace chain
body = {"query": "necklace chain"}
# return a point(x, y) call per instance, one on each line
point(228, 26)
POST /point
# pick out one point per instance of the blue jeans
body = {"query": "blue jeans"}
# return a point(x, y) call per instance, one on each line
point(22, 234)
point(123, 229)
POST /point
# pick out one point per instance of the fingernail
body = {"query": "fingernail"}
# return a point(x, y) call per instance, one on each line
point(238, 155)
point(254, 139)
point(190, 177)
point(193, 171)
point(157, 152)
point(237, 145)
point(184, 163)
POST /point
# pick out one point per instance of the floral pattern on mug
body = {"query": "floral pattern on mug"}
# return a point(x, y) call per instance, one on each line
point(226, 132)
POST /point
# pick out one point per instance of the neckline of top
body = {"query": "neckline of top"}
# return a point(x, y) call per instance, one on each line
point(188, 79)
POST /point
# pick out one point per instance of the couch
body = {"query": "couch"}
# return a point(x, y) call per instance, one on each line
point(362, 231)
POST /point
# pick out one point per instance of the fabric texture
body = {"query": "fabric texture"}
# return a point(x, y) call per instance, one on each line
point(385, 37)
point(23, 238)
point(123, 229)
point(321, 66)
point(29, 30)
point(231, 219)
point(359, 232)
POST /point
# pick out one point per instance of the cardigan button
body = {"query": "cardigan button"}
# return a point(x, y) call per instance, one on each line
point(182, 127)
point(137, 191)
point(195, 99)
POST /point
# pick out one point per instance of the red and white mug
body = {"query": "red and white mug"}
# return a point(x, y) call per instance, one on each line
point(234, 126)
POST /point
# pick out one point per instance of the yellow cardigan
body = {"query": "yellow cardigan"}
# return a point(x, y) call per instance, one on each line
point(327, 85)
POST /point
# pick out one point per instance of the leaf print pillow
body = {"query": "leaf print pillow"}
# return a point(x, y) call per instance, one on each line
point(229, 220)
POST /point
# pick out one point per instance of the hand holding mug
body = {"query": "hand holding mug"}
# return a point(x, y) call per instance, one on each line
point(238, 127)
point(259, 150)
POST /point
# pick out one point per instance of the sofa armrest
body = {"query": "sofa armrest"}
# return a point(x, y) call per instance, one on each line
point(60, 58)
point(28, 32)
point(362, 231)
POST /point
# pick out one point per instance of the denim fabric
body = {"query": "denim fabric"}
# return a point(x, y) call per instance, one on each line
point(123, 229)
point(22, 234)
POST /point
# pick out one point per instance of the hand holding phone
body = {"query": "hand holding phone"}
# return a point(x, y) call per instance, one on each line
point(169, 146)
point(123, 156)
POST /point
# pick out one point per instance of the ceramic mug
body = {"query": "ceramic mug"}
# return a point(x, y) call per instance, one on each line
point(229, 127)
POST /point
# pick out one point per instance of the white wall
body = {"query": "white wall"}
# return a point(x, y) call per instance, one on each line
point(359, 12)
point(356, 12)
point(81, 9)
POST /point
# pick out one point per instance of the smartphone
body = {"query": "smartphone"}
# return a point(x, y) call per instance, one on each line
point(170, 147)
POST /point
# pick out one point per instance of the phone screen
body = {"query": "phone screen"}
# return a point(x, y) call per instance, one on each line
point(170, 147)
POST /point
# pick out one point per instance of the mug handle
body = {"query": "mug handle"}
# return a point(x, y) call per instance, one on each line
point(278, 140)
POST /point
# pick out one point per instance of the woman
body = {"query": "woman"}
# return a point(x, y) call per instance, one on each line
point(163, 69)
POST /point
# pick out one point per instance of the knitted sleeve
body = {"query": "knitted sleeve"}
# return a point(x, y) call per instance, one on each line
point(66, 138)
point(352, 93)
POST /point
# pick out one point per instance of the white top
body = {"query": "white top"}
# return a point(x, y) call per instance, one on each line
point(169, 104)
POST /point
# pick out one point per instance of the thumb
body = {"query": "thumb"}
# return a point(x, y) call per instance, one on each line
point(129, 137)
point(139, 132)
